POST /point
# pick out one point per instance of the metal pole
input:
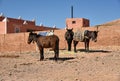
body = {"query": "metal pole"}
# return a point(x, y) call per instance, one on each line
point(71, 11)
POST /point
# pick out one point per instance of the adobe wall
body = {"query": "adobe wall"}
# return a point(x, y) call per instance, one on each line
point(108, 36)
point(15, 43)
point(2, 27)
point(77, 22)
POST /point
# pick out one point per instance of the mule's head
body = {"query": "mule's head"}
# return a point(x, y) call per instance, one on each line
point(69, 34)
point(32, 37)
point(94, 35)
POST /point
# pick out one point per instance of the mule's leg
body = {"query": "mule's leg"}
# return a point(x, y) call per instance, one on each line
point(87, 45)
point(75, 44)
point(56, 54)
point(56, 50)
point(69, 44)
point(41, 54)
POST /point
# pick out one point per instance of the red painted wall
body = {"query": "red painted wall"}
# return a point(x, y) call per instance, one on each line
point(22, 25)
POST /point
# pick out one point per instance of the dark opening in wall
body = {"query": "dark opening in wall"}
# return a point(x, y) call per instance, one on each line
point(17, 30)
point(73, 22)
point(30, 30)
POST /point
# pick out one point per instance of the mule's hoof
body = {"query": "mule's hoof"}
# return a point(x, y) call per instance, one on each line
point(41, 59)
point(56, 59)
point(75, 51)
point(87, 51)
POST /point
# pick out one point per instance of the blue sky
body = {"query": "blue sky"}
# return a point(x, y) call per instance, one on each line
point(55, 12)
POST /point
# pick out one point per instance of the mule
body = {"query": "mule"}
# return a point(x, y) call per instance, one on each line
point(42, 42)
point(85, 37)
point(69, 37)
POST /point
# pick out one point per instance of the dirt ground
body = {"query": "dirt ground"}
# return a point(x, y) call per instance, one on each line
point(100, 64)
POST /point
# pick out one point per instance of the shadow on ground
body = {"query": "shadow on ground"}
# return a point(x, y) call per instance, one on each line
point(62, 58)
point(92, 51)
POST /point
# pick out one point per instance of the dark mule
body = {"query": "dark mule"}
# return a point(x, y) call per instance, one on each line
point(69, 37)
point(85, 37)
point(42, 42)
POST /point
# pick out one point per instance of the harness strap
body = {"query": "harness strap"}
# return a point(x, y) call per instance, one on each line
point(86, 37)
point(85, 34)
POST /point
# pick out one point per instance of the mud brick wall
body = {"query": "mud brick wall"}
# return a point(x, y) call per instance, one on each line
point(15, 43)
point(108, 36)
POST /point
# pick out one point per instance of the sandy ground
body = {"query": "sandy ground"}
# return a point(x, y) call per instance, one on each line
point(101, 64)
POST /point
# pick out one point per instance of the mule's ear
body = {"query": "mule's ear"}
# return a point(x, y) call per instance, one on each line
point(30, 32)
point(52, 30)
point(72, 29)
point(96, 31)
point(33, 42)
point(66, 28)
point(97, 28)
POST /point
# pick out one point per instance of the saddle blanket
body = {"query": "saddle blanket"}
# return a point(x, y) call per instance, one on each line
point(79, 35)
point(42, 33)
